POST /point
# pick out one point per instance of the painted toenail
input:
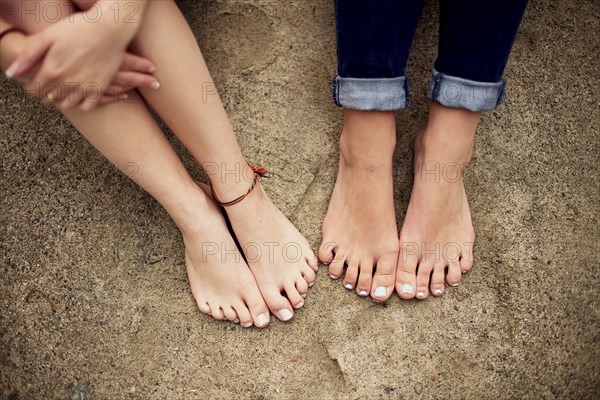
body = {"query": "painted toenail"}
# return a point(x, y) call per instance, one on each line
point(236, 321)
point(421, 294)
point(465, 271)
point(303, 295)
point(262, 320)
point(299, 304)
point(455, 285)
point(380, 292)
point(438, 291)
point(348, 286)
point(363, 293)
point(407, 289)
point(311, 284)
point(247, 324)
point(286, 314)
point(333, 277)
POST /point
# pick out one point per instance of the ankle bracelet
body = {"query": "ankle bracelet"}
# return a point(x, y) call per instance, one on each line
point(259, 172)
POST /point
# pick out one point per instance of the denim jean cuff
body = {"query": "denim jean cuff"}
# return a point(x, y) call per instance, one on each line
point(451, 91)
point(371, 94)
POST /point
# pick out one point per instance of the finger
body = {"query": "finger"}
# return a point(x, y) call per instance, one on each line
point(107, 99)
point(136, 79)
point(36, 48)
point(131, 62)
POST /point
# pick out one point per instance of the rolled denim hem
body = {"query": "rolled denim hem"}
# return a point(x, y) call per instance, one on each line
point(366, 94)
point(454, 92)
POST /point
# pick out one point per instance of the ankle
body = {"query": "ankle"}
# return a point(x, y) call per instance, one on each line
point(187, 207)
point(368, 140)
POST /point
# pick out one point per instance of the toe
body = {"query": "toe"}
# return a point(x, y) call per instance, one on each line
point(302, 287)
point(406, 279)
point(243, 314)
point(336, 268)
point(365, 278)
point(258, 308)
point(293, 295)
point(310, 258)
point(383, 279)
point(351, 275)
point(465, 264)
point(203, 306)
point(454, 274)
point(423, 275)
point(437, 280)
point(217, 312)
point(309, 275)
point(230, 313)
point(326, 252)
point(277, 303)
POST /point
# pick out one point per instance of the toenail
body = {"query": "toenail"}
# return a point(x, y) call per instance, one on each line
point(333, 277)
point(236, 321)
point(299, 305)
point(247, 324)
point(286, 314)
point(465, 271)
point(455, 285)
point(363, 293)
point(421, 294)
point(262, 320)
point(303, 295)
point(311, 284)
point(380, 292)
point(348, 286)
point(438, 291)
point(407, 289)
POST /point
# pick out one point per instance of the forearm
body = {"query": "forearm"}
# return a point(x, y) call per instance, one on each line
point(125, 16)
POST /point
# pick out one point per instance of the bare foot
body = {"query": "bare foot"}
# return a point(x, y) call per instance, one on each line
point(437, 237)
point(279, 256)
point(220, 279)
point(359, 230)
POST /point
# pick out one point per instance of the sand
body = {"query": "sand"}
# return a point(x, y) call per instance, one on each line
point(94, 295)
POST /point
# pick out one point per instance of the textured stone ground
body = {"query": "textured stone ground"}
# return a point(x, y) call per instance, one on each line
point(94, 297)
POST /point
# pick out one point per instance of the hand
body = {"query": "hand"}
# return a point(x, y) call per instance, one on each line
point(79, 63)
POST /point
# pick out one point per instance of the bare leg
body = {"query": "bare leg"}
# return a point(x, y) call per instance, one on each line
point(278, 255)
point(359, 230)
point(128, 136)
point(437, 233)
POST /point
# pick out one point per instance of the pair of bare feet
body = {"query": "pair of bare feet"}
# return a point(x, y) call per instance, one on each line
point(270, 271)
point(436, 240)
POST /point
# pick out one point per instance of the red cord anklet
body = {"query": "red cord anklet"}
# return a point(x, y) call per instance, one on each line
point(259, 172)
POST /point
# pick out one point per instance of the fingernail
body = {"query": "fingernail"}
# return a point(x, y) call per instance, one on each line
point(303, 295)
point(10, 72)
point(155, 85)
point(438, 291)
point(348, 286)
point(152, 69)
point(299, 305)
point(421, 294)
point(380, 292)
point(124, 96)
point(247, 324)
point(363, 293)
point(236, 321)
point(333, 277)
point(407, 289)
point(262, 320)
point(285, 314)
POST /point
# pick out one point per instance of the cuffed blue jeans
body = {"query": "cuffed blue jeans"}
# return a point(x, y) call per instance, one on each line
point(374, 40)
